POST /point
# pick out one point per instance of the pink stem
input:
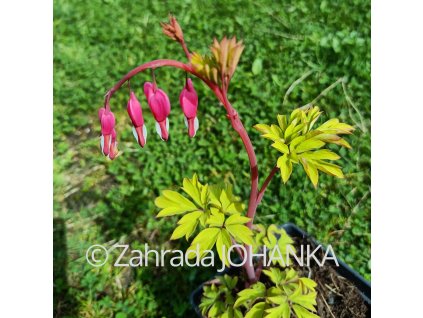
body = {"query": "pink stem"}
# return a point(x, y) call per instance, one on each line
point(185, 48)
point(266, 183)
point(221, 94)
point(153, 65)
point(252, 205)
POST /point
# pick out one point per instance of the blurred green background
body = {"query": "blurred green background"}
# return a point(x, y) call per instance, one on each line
point(300, 47)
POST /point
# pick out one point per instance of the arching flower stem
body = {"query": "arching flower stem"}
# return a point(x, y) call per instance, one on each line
point(221, 94)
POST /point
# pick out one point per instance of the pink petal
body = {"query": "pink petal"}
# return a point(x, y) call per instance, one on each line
point(148, 89)
point(107, 122)
point(135, 111)
point(191, 127)
point(189, 100)
point(159, 105)
point(140, 135)
point(164, 133)
point(100, 113)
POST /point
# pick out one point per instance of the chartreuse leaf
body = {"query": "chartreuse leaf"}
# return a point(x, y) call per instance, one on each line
point(281, 311)
point(285, 165)
point(273, 236)
point(272, 132)
point(218, 299)
point(291, 294)
point(204, 241)
point(224, 200)
point(236, 219)
point(309, 144)
point(275, 275)
point(333, 126)
point(279, 145)
point(303, 313)
point(257, 311)
point(290, 129)
point(265, 129)
point(248, 296)
point(282, 122)
point(329, 168)
point(311, 170)
point(195, 190)
point(172, 203)
point(210, 207)
point(187, 225)
point(301, 143)
point(230, 203)
point(308, 284)
point(241, 233)
point(223, 243)
point(216, 219)
point(323, 154)
point(306, 300)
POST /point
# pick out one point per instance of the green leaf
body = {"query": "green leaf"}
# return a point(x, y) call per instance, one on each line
point(285, 165)
point(277, 236)
point(257, 66)
point(273, 137)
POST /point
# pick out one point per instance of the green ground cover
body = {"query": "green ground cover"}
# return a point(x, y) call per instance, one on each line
point(300, 47)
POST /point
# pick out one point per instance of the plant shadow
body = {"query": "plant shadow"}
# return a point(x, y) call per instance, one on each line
point(64, 304)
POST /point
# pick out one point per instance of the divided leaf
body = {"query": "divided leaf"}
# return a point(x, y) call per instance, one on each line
point(248, 296)
point(173, 203)
point(298, 142)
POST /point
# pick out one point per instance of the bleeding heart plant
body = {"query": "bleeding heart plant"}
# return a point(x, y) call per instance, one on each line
point(212, 216)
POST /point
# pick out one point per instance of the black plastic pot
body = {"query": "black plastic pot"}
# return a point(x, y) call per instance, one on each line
point(343, 270)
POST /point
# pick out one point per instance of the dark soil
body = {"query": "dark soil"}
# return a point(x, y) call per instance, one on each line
point(337, 296)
